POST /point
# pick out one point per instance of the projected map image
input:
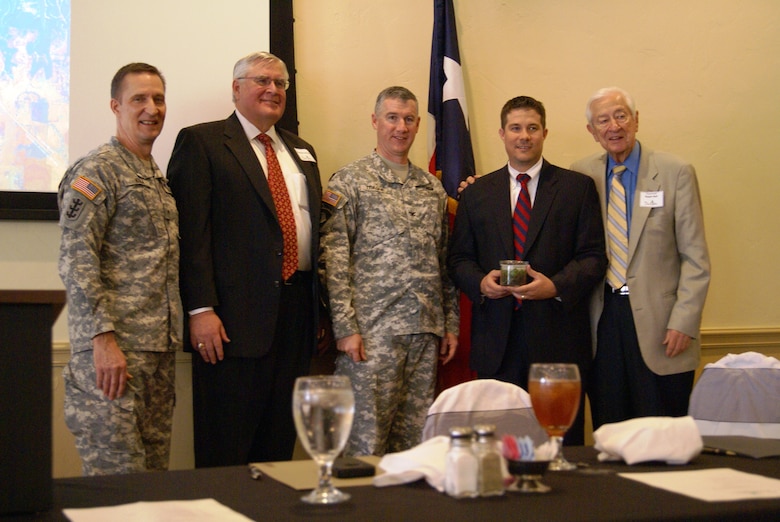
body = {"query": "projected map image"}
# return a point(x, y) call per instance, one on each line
point(34, 93)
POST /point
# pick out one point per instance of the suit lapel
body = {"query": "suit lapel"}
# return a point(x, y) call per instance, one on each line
point(310, 173)
point(546, 189)
point(598, 172)
point(236, 141)
point(645, 181)
point(307, 169)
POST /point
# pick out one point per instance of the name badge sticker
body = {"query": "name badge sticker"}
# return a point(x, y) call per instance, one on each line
point(651, 199)
point(305, 155)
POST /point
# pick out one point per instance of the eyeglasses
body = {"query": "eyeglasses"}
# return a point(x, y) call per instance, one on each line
point(265, 81)
point(621, 118)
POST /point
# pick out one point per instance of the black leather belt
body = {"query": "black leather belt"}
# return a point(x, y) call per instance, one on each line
point(623, 290)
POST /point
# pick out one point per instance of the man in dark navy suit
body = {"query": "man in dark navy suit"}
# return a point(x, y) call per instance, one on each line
point(545, 320)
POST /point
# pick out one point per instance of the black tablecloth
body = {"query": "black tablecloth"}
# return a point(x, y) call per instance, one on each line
point(591, 493)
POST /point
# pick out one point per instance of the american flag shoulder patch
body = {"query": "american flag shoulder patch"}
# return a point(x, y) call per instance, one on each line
point(331, 198)
point(86, 187)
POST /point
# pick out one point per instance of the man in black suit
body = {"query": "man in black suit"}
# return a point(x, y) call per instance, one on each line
point(246, 268)
point(545, 320)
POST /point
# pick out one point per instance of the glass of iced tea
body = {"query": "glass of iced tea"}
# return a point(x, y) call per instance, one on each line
point(555, 396)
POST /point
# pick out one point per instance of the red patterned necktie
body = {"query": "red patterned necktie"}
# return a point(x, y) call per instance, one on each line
point(283, 209)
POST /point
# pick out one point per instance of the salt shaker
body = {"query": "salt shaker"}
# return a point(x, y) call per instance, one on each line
point(489, 480)
point(460, 471)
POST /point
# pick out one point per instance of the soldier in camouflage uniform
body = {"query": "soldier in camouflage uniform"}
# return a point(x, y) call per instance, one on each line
point(119, 260)
point(392, 303)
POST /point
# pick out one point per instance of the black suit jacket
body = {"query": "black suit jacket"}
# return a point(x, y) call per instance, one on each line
point(565, 242)
point(231, 241)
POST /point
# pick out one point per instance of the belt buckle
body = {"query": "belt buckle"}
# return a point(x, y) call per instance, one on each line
point(623, 290)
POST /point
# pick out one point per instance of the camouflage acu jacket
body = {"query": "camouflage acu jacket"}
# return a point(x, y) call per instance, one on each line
point(119, 253)
point(384, 247)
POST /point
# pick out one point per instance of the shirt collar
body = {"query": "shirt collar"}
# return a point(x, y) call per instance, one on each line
point(384, 170)
point(252, 131)
point(143, 169)
point(533, 172)
point(631, 163)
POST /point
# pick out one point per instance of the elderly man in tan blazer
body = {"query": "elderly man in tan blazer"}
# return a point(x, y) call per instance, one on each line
point(647, 315)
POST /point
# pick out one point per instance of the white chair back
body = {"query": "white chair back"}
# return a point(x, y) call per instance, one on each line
point(484, 401)
point(738, 395)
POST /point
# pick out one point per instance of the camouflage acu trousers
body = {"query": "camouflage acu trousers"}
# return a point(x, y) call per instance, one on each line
point(393, 391)
point(131, 433)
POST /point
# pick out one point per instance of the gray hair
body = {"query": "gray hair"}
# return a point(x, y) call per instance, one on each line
point(241, 68)
point(395, 93)
point(607, 91)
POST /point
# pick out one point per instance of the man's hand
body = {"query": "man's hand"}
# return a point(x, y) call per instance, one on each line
point(448, 347)
point(110, 365)
point(541, 287)
point(465, 183)
point(490, 287)
point(352, 345)
point(676, 343)
point(207, 335)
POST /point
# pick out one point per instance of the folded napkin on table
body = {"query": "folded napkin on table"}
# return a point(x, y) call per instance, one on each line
point(675, 440)
point(426, 460)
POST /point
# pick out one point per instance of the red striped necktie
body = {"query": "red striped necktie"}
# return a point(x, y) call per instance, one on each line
point(520, 219)
point(521, 216)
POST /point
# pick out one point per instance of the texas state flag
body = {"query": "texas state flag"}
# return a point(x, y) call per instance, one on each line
point(449, 142)
point(451, 158)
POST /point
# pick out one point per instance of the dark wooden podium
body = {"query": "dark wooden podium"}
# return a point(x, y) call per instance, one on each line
point(26, 320)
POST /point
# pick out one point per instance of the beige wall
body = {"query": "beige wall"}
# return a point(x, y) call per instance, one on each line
point(704, 74)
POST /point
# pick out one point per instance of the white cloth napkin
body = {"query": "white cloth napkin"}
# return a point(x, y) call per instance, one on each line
point(745, 360)
point(675, 440)
point(426, 460)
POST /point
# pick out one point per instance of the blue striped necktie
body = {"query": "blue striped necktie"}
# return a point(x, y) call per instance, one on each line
point(617, 230)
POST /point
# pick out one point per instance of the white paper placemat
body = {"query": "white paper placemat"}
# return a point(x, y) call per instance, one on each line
point(711, 485)
point(203, 510)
